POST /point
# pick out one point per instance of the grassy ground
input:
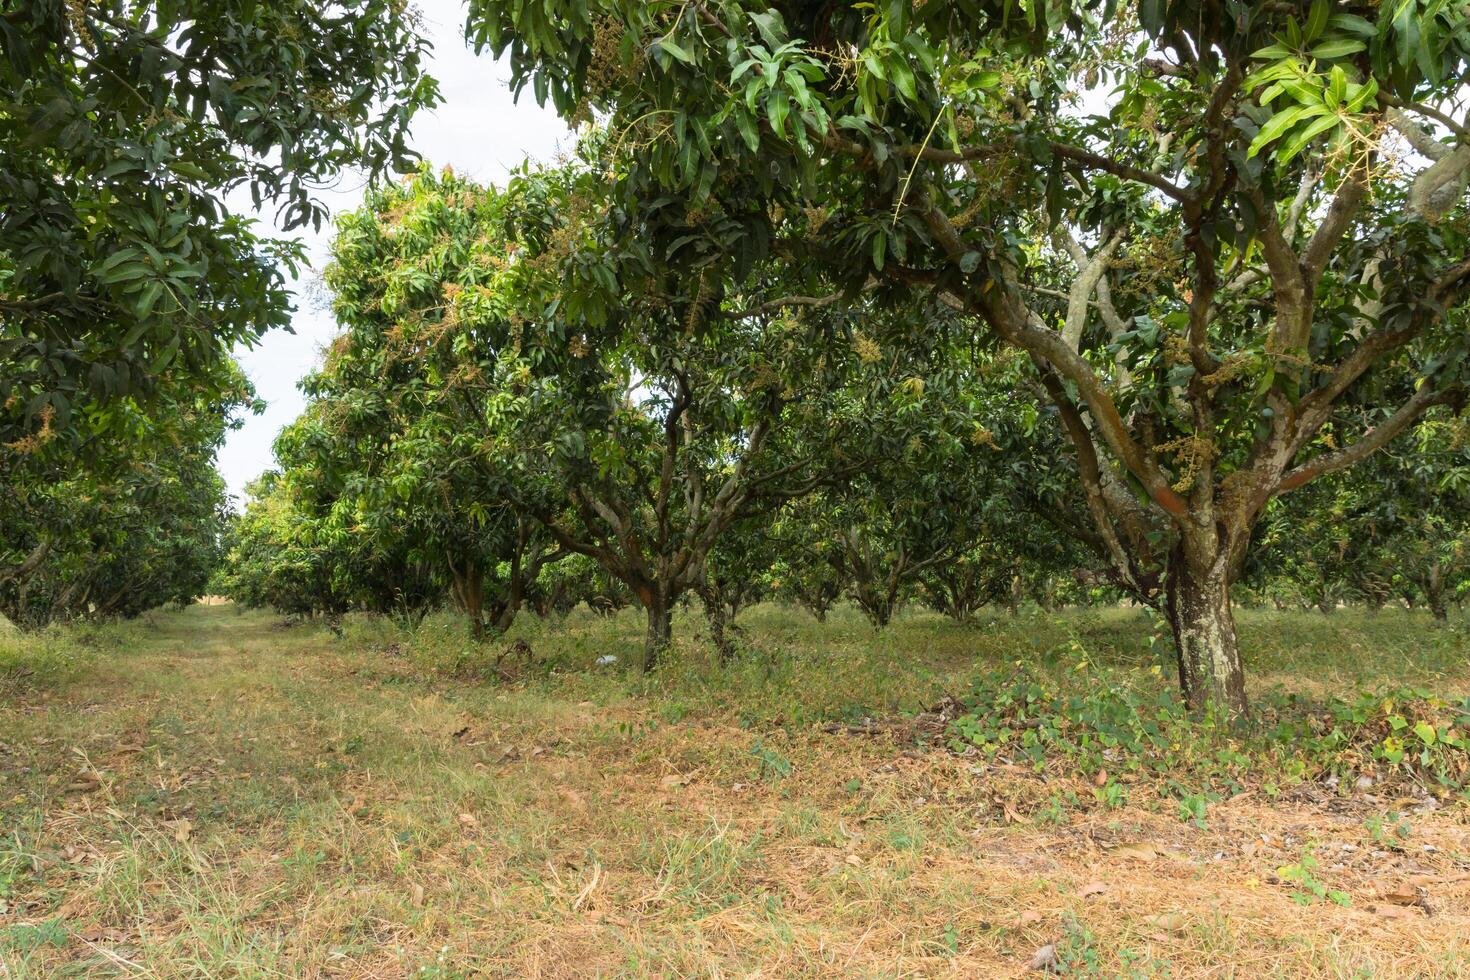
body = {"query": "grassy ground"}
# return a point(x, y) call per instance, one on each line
point(209, 794)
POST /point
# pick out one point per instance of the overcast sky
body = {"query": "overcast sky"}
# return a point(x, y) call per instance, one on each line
point(480, 131)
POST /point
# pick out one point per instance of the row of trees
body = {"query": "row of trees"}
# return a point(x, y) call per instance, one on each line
point(1260, 242)
point(1393, 533)
point(522, 410)
point(125, 279)
point(518, 381)
point(134, 522)
point(806, 248)
point(1247, 273)
point(1393, 530)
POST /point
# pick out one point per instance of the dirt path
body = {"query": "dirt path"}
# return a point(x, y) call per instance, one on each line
point(221, 797)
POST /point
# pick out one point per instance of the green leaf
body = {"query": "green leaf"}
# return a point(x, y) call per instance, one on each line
point(1275, 127)
point(1426, 732)
point(748, 132)
point(1271, 52)
point(903, 78)
point(777, 107)
point(1336, 87)
point(674, 49)
point(1316, 20)
point(1305, 136)
point(1353, 24)
point(1338, 48)
point(1365, 93)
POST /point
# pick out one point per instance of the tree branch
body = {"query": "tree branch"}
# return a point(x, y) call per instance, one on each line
point(781, 303)
point(30, 564)
point(1066, 151)
point(1372, 441)
point(1351, 194)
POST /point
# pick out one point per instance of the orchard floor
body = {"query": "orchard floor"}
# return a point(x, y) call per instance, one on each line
point(208, 793)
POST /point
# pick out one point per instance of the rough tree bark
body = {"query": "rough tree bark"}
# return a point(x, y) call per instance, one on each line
point(1197, 605)
point(719, 617)
point(660, 611)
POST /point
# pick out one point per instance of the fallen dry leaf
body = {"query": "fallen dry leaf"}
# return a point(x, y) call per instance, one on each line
point(1092, 889)
point(1137, 852)
point(84, 782)
point(1045, 959)
point(1398, 894)
point(1384, 911)
point(1168, 921)
point(1101, 779)
point(1028, 918)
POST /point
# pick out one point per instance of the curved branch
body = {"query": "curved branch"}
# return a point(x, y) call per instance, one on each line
point(1373, 440)
point(29, 565)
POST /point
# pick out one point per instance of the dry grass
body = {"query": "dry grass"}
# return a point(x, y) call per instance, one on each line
point(217, 797)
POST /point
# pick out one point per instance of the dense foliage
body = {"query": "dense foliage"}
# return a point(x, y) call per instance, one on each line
point(1260, 240)
point(125, 277)
point(829, 301)
point(122, 125)
point(138, 527)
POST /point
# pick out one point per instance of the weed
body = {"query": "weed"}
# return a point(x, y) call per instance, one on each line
point(1390, 830)
point(1123, 722)
point(772, 765)
point(1192, 809)
point(1310, 888)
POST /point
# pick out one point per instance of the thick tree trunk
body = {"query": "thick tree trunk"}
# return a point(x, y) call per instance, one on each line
point(720, 619)
point(877, 606)
point(472, 597)
point(1198, 609)
point(660, 628)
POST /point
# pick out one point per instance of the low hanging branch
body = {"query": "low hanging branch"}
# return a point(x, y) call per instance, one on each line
point(30, 564)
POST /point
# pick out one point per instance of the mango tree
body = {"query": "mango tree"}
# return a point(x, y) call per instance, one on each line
point(123, 125)
point(1264, 213)
point(137, 526)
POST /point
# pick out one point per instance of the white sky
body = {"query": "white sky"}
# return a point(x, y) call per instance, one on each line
point(478, 130)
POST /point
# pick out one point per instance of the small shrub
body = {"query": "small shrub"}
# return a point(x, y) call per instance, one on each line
point(1310, 889)
point(1128, 724)
point(44, 659)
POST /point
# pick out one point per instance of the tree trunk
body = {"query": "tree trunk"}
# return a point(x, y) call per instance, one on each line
point(877, 605)
point(510, 604)
point(1434, 592)
point(719, 618)
point(1198, 609)
point(660, 628)
point(467, 584)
